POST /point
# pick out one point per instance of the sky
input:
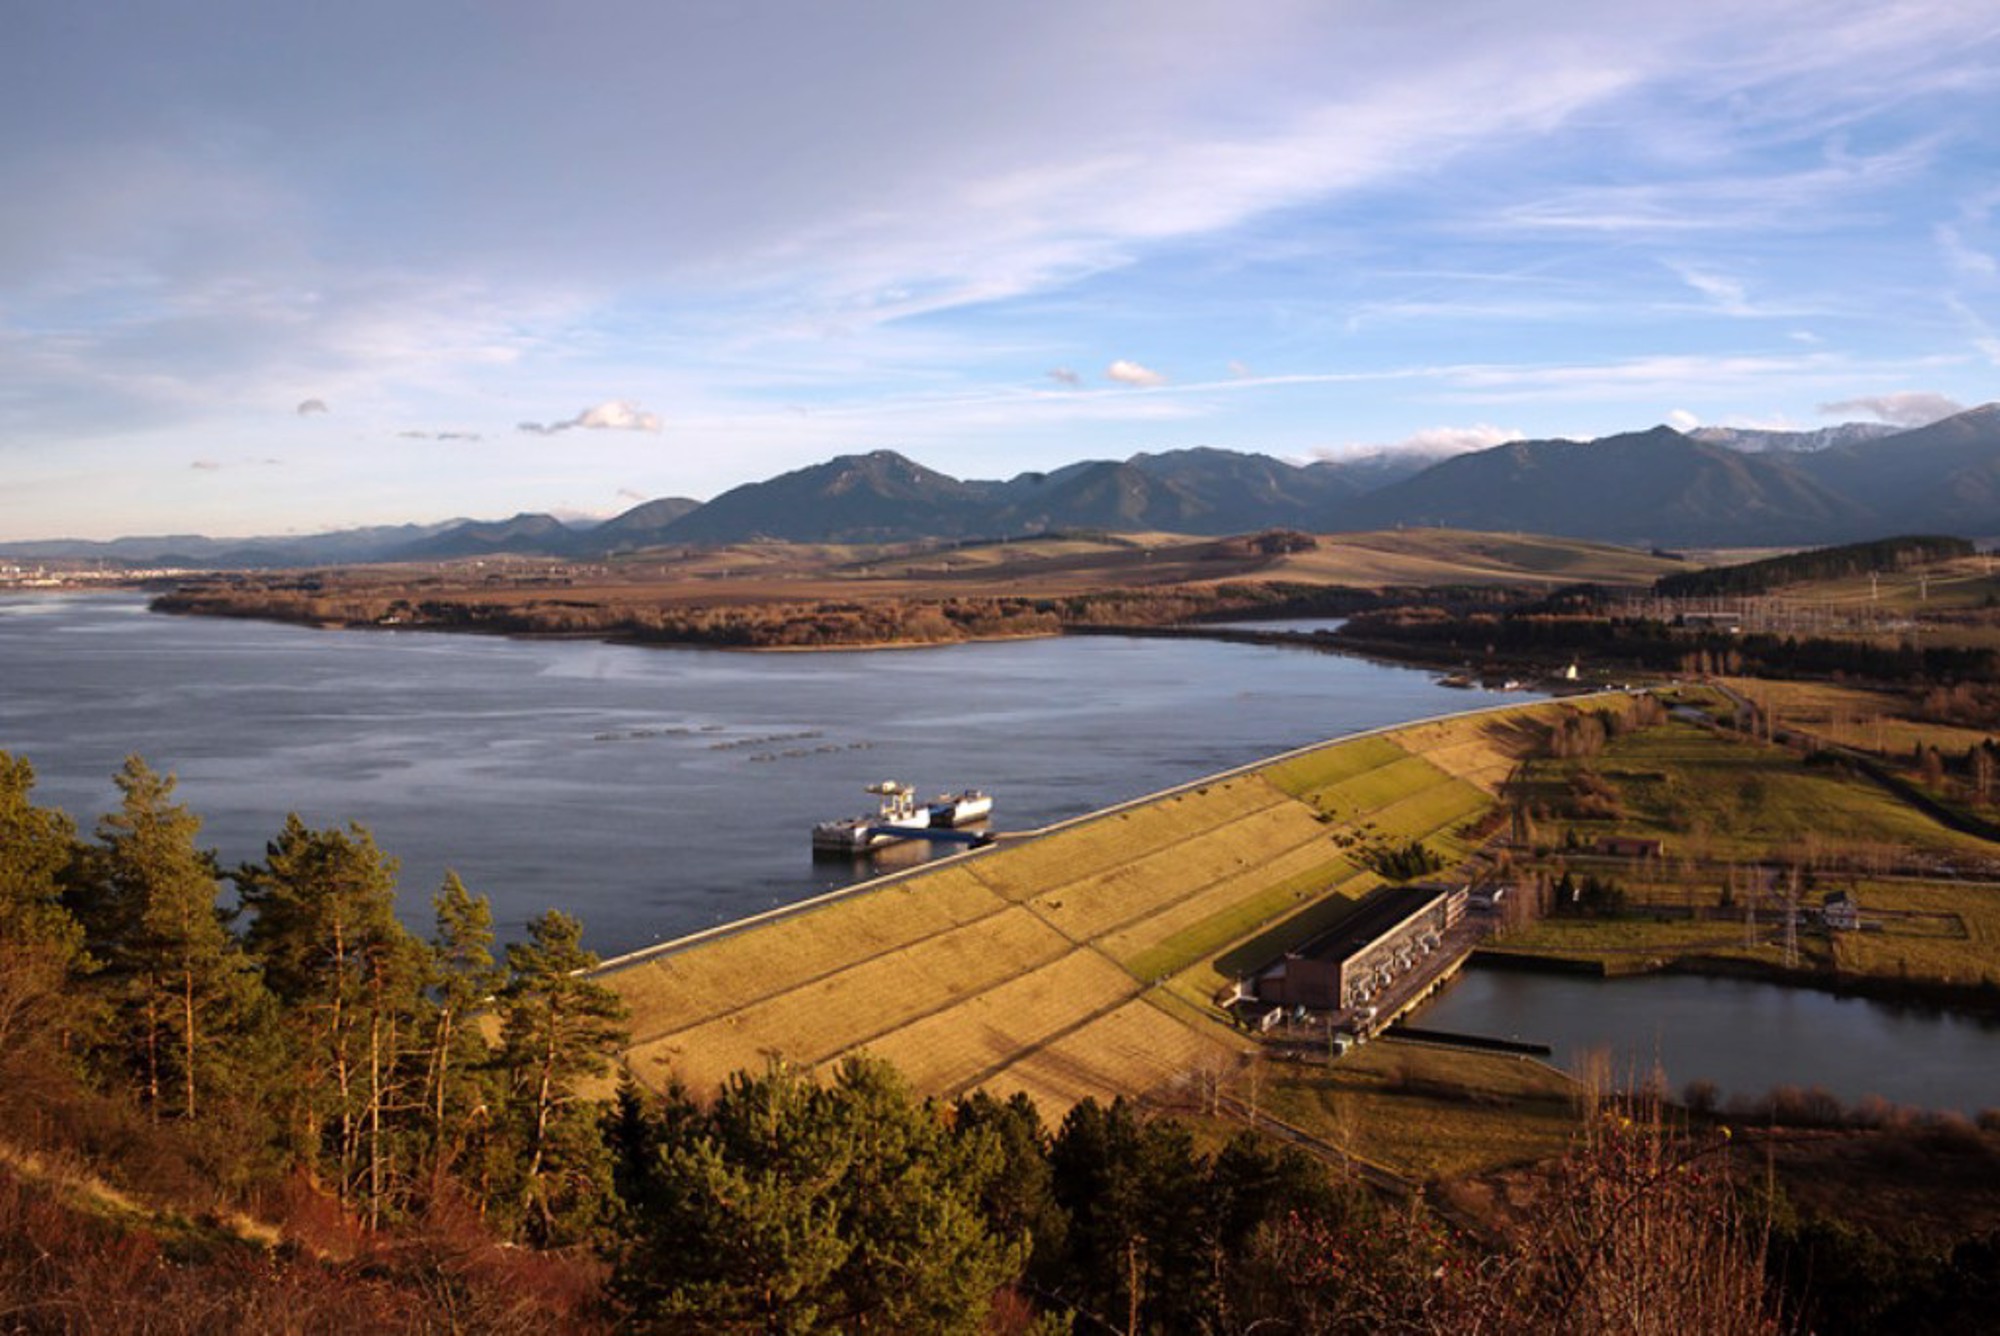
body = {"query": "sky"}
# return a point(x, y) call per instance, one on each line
point(271, 269)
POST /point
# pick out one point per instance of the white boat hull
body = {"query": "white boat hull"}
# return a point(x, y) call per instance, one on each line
point(958, 809)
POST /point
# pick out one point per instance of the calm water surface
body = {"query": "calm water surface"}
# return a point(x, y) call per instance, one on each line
point(649, 791)
point(1745, 1036)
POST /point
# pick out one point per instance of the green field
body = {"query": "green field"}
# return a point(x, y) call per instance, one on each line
point(1720, 805)
point(1711, 796)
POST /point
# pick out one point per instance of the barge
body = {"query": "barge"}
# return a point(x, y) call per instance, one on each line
point(898, 812)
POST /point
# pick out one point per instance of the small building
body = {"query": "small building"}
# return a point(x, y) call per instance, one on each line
point(1840, 912)
point(1349, 964)
point(1628, 846)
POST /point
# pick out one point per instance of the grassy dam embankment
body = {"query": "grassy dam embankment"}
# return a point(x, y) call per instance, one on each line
point(1081, 960)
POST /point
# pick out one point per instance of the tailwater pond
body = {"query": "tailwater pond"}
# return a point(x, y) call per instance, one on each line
point(1746, 1036)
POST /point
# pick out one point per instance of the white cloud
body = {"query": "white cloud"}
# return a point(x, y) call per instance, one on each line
point(611, 415)
point(1457, 440)
point(1131, 373)
point(1682, 420)
point(1910, 408)
point(1431, 443)
point(618, 415)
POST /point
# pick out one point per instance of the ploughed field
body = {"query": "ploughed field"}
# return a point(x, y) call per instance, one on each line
point(1081, 961)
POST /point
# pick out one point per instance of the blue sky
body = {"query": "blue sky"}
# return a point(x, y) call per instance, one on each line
point(276, 268)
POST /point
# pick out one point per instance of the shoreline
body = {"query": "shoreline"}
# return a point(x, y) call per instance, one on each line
point(1539, 676)
point(1977, 1001)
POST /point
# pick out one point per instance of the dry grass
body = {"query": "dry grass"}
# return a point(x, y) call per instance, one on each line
point(951, 1050)
point(1208, 920)
point(816, 1020)
point(670, 991)
point(1457, 556)
point(1303, 776)
point(1107, 843)
point(1089, 907)
point(1137, 1048)
point(1938, 932)
point(1429, 1113)
point(1874, 721)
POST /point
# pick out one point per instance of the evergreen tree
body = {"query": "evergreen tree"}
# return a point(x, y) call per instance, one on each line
point(559, 1033)
point(790, 1206)
point(188, 1003)
point(38, 851)
point(1020, 1200)
point(41, 943)
point(1134, 1194)
point(459, 1090)
point(351, 980)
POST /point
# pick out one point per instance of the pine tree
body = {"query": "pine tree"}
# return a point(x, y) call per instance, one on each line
point(351, 980)
point(464, 982)
point(41, 943)
point(187, 1001)
point(38, 850)
point(559, 1032)
point(792, 1206)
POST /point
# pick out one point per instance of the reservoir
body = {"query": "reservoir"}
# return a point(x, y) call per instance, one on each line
point(1745, 1036)
point(650, 791)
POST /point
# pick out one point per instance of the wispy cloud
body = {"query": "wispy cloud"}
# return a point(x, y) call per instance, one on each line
point(1725, 294)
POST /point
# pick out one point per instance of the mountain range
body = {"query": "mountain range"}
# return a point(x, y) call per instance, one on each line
point(1715, 487)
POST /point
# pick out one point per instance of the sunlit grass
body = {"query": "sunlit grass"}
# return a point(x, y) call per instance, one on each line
point(1428, 1113)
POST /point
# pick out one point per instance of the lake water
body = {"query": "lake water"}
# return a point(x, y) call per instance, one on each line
point(649, 791)
point(1745, 1036)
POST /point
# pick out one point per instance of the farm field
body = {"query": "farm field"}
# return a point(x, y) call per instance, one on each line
point(1082, 962)
point(1744, 826)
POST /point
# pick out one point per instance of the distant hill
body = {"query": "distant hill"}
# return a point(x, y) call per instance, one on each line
point(1944, 478)
point(538, 535)
point(1716, 487)
point(1655, 487)
point(874, 497)
point(640, 526)
point(345, 546)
